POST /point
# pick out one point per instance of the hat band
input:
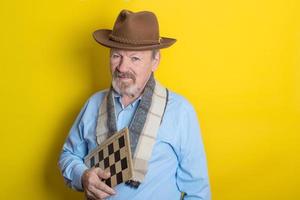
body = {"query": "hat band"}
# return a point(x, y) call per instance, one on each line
point(130, 41)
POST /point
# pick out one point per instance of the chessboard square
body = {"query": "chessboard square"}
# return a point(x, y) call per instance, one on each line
point(108, 182)
point(110, 149)
point(113, 169)
point(118, 167)
point(111, 159)
point(105, 152)
point(113, 181)
point(116, 144)
point(123, 153)
point(119, 177)
point(106, 162)
point(124, 163)
point(100, 155)
point(126, 174)
point(92, 161)
point(101, 164)
point(121, 142)
point(117, 156)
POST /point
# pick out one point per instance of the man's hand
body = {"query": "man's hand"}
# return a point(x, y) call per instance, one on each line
point(93, 187)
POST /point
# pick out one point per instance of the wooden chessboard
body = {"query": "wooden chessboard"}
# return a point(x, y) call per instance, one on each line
point(113, 155)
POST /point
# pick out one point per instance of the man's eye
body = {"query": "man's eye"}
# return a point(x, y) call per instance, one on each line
point(115, 56)
point(135, 58)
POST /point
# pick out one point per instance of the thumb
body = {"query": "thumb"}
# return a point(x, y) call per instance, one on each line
point(101, 173)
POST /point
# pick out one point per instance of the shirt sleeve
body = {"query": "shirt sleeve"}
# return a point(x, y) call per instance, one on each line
point(71, 160)
point(192, 175)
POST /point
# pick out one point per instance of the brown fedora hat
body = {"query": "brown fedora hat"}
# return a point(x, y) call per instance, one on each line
point(133, 31)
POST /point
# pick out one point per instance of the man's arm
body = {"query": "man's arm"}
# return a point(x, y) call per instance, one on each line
point(74, 149)
point(71, 161)
point(192, 174)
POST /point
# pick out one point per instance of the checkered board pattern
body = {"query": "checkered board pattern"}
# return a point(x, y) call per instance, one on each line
point(113, 155)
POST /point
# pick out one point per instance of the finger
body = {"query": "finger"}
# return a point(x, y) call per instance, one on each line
point(101, 173)
point(105, 188)
point(100, 194)
point(90, 195)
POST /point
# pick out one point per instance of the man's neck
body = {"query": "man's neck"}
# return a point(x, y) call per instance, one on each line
point(126, 100)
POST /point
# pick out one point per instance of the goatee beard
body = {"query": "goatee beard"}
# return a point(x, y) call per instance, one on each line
point(125, 88)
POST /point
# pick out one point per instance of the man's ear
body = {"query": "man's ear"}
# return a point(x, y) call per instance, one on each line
point(155, 61)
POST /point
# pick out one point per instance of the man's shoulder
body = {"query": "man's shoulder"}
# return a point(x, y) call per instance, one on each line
point(98, 96)
point(94, 100)
point(179, 102)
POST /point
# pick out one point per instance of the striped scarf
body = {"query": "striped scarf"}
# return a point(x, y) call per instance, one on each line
point(142, 129)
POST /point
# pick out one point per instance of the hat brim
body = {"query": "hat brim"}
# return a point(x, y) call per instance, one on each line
point(102, 37)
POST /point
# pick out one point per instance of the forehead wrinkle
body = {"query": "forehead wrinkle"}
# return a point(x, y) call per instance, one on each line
point(133, 54)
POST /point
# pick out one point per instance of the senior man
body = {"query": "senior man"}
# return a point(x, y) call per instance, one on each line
point(177, 162)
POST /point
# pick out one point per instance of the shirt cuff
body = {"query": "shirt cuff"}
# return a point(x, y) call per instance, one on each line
point(77, 174)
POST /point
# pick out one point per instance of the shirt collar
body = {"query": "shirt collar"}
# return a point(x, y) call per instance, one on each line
point(118, 97)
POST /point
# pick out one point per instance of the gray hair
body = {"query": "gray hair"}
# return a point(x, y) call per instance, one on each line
point(154, 52)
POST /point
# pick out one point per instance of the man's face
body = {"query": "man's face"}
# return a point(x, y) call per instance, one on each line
point(131, 70)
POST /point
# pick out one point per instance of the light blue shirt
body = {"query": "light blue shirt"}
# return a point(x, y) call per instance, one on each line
point(178, 161)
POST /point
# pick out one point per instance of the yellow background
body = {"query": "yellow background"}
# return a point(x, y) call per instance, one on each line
point(236, 61)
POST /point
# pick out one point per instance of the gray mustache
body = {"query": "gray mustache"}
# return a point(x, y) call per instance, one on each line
point(124, 75)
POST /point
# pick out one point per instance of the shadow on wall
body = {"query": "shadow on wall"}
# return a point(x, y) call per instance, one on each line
point(98, 67)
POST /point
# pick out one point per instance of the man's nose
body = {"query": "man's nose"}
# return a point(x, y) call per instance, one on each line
point(123, 65)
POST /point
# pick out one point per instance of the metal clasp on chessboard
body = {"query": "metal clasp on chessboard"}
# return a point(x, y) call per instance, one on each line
point(134, 184)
